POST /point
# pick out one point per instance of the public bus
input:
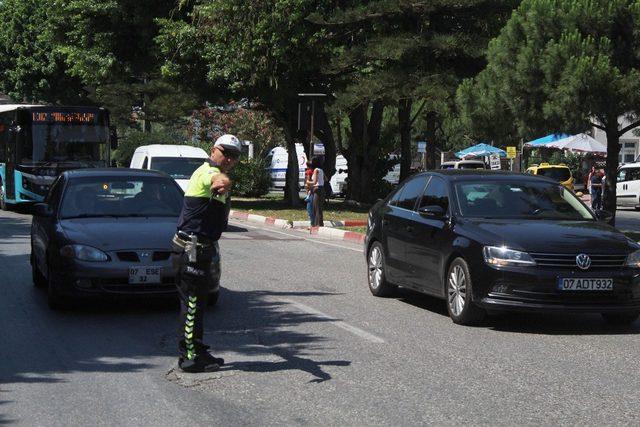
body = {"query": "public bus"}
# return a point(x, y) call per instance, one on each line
point(39, 142)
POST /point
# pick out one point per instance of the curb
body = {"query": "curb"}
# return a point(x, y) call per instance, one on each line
point(329, 232)
point(346, 223)
point(258, 219)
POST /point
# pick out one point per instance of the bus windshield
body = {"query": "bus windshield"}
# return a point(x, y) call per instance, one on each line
point(61, 142)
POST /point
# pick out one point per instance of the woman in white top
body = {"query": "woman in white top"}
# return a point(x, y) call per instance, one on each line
point(317, 191)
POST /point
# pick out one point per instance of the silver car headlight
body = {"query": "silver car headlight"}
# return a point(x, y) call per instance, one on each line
point(83, 253)
point(502, 257)
point(633, 260)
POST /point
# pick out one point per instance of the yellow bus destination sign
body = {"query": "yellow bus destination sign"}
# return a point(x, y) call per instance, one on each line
point(63, 117)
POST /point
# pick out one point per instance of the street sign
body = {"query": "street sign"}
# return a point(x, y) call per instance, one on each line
point(422, 146)
point(511, 152)
point(318, 149)
point(494, 161)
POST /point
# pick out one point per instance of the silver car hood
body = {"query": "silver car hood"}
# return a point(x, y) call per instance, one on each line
point(114, 234)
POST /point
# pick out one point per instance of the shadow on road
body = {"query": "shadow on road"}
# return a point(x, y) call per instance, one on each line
point(528, 323)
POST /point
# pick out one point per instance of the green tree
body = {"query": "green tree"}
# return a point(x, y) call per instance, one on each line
point(564, 65)
point(30, 67)
point(264, 50)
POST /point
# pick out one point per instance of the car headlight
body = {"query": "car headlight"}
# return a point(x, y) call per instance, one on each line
point(83, 253)
point(502, 257)
point(633, 260)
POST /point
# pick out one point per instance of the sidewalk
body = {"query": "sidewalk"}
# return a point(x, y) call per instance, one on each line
point(328, 231)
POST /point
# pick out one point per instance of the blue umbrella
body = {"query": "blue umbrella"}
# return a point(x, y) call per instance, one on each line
point(480, 150)
point(541, 142)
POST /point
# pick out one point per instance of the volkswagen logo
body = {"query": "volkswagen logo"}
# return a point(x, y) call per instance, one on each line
point(147, 254)
point(583, 261)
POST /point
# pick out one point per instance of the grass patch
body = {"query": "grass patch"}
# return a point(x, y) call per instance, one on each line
point(273, 206)
point(362, 229)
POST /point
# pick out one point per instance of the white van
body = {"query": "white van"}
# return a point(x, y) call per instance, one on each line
point(628, 186)
point(277, 161)
point(463, 164)
point(178, 161)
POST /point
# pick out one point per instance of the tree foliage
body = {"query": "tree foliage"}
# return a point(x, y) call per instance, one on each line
point(561, 66)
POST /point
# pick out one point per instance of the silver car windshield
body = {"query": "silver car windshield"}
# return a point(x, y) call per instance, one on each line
point(120, 197)
point(519, 200)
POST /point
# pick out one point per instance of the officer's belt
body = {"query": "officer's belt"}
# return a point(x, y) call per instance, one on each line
point(181, 239)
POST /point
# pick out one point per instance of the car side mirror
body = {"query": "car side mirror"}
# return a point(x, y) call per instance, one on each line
point(432, 211)
point(603, 216)
point(42, 209)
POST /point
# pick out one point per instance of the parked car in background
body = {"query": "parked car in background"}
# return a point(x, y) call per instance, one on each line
point(628, 186)
point(560, 173)
point(178, 161)
point(501, 241)
point(107, 232)
point(463, 164)
point(277, 162)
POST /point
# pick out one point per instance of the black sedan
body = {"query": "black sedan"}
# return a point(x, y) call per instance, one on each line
point(107, 232)
point(490, 241)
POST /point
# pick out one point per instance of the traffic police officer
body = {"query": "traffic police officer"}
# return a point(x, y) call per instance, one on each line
point(203, 218)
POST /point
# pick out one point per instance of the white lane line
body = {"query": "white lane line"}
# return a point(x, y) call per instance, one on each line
point(339, 323)
point(235, 237)
point(244, 224)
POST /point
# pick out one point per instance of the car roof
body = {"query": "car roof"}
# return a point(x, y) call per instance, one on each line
point(172, 150)
point(630, 165)
point(112, 172)
point(478, 174)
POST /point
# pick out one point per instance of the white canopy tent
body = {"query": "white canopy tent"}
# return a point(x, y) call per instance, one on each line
point(581, 143)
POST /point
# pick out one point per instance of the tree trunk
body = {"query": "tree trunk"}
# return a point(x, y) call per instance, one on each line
point(291, 187)
point(611, 169)
point(404, 124)
point(325, 133)
point(364, 140)
point(430, 134)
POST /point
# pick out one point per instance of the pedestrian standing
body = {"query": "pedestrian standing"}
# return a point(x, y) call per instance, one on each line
point(309, 199)
point(317, 191)
point(596, 190)
point(203, 218)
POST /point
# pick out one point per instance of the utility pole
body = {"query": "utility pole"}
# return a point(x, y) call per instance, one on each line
point(313, 97)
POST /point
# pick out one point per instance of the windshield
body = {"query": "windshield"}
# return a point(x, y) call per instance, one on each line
point(50, 143)
point(177, 167)
point(559, 174)
point(471, 166)
point(519, 200)
point(121, 197)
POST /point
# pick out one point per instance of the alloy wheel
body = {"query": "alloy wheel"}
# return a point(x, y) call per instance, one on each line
point(457, 290)
point(375, 267)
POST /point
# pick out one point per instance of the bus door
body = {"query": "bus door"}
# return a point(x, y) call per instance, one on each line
point(10, 166)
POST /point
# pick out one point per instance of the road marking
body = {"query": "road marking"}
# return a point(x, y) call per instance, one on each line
point(339, 323)
point(244, 224)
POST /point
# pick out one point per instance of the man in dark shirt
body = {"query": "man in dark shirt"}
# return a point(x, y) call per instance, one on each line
point(596, 190)
point(203, 218)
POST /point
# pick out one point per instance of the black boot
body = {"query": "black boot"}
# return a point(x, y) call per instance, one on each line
point(197, 365)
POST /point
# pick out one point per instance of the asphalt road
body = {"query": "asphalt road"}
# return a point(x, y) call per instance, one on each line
point(305, 343)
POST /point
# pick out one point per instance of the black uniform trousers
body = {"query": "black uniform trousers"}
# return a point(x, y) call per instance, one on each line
point(194, 281)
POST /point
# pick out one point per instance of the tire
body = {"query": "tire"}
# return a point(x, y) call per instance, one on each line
point(54, 299)
point(39, 281)
point(376, 267)
point(460, 306)
point(3, 203)
point(620, 318)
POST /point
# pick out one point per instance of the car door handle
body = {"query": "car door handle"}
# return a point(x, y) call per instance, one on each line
point(409, 229)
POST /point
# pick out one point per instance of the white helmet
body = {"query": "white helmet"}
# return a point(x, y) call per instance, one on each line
point(229, 143)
